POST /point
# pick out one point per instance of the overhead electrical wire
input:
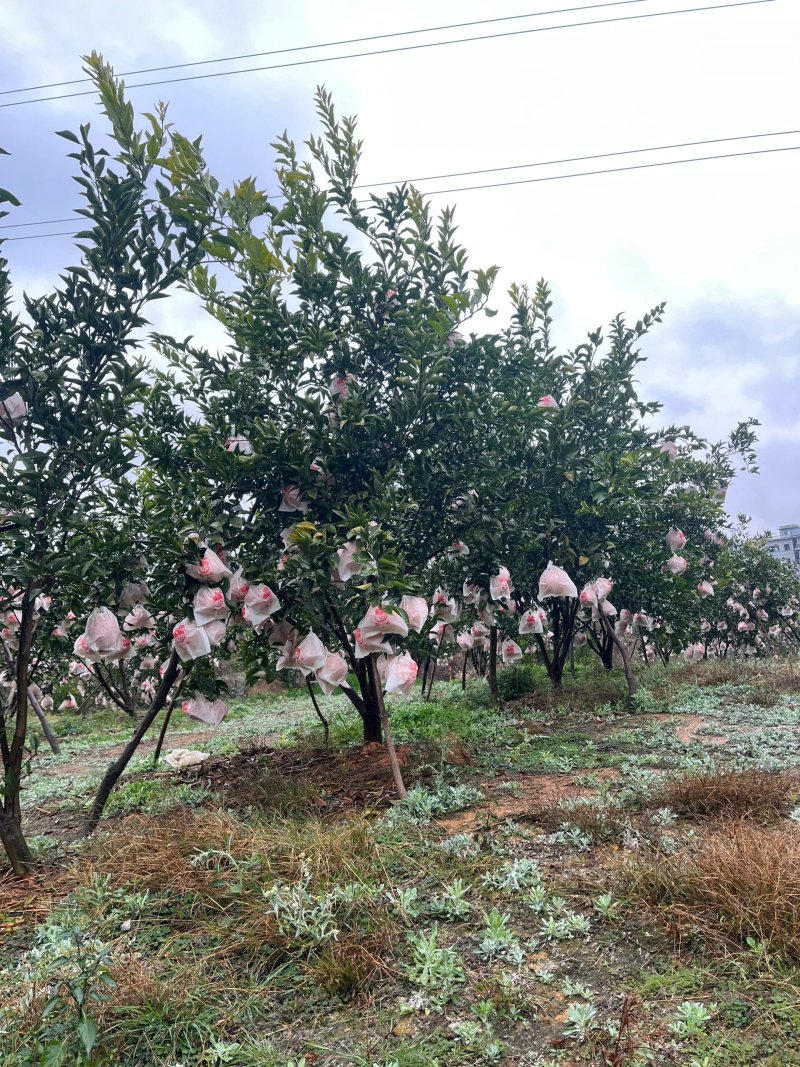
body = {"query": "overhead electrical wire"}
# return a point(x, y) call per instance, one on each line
point(42, 222)
point(498, 170)
point(530, 181)
point(612, 170)
point(403, 48)
point(558, 162)
point(331, 44)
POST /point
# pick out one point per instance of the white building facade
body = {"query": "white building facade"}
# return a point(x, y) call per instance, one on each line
point(786, 545)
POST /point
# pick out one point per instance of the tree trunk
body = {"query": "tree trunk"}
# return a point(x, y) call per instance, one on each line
point(366, 707)
point(320, 716)
point(14, 843)
point(372, 727)
point(626, 661)
point(492, 671)
point(425, 668)
point(19, 855)
point(433, 667)
point(47, 729)
point(607, 652)
point(563, 619)
point(162, 735)
point(115, 769)
point(464, 671)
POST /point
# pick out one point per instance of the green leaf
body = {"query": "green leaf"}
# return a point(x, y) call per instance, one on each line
point(87, 1032)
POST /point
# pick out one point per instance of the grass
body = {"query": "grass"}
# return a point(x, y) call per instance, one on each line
point(748, 794)
point(522, 907)
point(736, 880)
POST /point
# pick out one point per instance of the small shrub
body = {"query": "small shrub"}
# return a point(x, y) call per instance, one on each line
point(153, 795)
point(518, 681)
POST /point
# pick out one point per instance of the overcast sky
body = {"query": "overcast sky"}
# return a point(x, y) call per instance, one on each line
point(718, 240)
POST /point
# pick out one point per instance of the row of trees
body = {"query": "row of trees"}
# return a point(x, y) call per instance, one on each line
point(352, 483)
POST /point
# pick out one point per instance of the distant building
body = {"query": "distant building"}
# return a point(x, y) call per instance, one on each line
point(786, 545)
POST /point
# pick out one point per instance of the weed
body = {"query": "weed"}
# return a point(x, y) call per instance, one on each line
point(506, 995)
point(435, 971)
point(514, 876)
point(606, 907)
point(452, 902)
point(564, 928)
point(570, 835)
point(464, 846)
point(742, 881)
point(513, 788)
point(692, 1018)
point(406, 900)
point(538, 898)
point(420, 805)
point(576, 989)
point(498, 942)
point(749, 794)
point(581, 1021)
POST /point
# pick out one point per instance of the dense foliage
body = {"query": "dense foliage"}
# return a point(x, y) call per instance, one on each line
point(356, 484)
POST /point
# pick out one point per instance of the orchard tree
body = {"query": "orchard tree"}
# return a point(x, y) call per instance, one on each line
point(589, 487)
point(756, 609)
point(336, 444)
point(666, 559)
point(71, 378)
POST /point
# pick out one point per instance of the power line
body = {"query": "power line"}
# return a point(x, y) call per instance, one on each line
point(42, 222)
point(403, 48)
point(38, 236)
point(530, 181)
point(495, 170)
point(568, 159)
point(330, 44)
point(612, 170)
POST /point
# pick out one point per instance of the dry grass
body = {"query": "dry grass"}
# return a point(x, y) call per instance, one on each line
point(352, 963)
point(755, 794)
point(581, 695)
point(709, 672)
point(254, 787)
point(203, 865)
point(159, 852)
point(738, 880)
point(770, 678)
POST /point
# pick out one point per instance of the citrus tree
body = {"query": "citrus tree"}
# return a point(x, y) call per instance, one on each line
point(336, 444)
point(71, 377)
